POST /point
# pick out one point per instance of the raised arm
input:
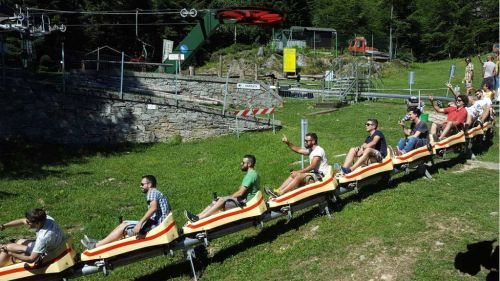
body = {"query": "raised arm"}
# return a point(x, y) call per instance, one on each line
point(436, 108)
point(293, 147)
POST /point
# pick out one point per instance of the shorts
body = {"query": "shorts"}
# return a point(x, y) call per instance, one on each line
point(468, 85)
point(375, 156)
point(230, 202)
point(146, 227)
point(29, 250)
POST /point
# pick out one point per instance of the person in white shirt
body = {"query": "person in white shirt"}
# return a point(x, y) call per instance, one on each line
point(48, 244)
point(489, 71)
point(318, 165)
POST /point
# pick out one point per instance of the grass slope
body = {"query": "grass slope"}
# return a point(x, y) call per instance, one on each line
point(412, 230)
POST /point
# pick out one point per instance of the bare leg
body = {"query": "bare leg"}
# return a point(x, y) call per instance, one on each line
point(115, 235)
point(293, 184)
point(217, 206)
point(19, 247)
point(286, 182)
point(434, 128)
point(446, 130)
point(363, 158)
point(350, 157)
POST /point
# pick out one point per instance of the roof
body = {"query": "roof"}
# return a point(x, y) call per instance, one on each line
point(305, 28)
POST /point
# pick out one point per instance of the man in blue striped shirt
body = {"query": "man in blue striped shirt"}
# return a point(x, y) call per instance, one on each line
point(158, 209)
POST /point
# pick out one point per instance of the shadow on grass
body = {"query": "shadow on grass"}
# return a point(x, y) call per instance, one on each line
point(202, 260)
point(23, 160)
point(5, 195)
point(395, 180)
point(477, 255)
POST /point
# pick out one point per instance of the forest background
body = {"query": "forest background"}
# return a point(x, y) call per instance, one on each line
point(422, 29)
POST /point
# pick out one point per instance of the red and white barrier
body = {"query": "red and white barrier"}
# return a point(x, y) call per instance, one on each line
point(254, 111)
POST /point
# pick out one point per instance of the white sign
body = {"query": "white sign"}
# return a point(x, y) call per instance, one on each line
point(176, 57)
point(329, 75)
point(151, 106)
point(168, 47)
point(248, 86)
point(411, 78)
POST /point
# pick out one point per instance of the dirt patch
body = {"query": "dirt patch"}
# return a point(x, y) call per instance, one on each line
point(373, 261)
point(473, 164)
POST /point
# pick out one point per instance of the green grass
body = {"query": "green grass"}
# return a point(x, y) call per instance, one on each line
point(410, 231)
point(430, 76)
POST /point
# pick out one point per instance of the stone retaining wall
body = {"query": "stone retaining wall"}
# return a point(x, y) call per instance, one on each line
point(42, 113)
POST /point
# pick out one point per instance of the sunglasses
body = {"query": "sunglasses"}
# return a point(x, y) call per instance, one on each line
point(368, 124)
point(459, 100)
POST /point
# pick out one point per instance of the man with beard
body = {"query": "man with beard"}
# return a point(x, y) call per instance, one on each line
point(248, 188)
point(158, 210)
point(318, 165)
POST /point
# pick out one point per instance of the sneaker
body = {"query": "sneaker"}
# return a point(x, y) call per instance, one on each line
point(336, 167)
point(345, 171)
point(89, 239)
point(88, 244)
point(190, 216)
point(271, 192)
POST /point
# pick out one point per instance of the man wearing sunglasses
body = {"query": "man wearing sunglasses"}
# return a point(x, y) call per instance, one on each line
point(48, 244)
point(318, 165)
point(158, 209)
point(374, 149)
point(456, 117)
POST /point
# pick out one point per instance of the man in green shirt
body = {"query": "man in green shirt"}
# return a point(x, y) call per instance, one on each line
point(248, 189)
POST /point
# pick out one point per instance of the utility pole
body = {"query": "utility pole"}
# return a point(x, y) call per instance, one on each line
point(390, 34)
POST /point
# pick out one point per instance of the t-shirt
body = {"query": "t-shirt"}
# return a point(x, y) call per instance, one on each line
point(322, 167)
point(251, 182)
point(477, 108)
point(489, 68)
point(381, 146)
point(456, 114)
point(49, 239)
point(420, 127)
point(163, 206)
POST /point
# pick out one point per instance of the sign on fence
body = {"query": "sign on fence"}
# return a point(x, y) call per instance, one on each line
point(248, 86)
point(168, 47)
point(176, 57)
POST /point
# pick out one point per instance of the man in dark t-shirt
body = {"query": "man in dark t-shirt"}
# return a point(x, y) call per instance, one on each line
point(415, 136)
point(374, 149)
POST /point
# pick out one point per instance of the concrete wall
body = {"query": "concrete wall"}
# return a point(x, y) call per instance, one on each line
point(91, 111)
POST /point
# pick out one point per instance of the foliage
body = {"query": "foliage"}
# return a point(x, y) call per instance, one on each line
point(428, 29)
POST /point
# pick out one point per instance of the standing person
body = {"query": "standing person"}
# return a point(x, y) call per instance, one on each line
point(158, 209)
point(318, 164)
point(415, 136)
point(48, 244)
point(248, 188)
point(374, 149)
point(469, 75)
point(456, 116)
point(488, 71)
